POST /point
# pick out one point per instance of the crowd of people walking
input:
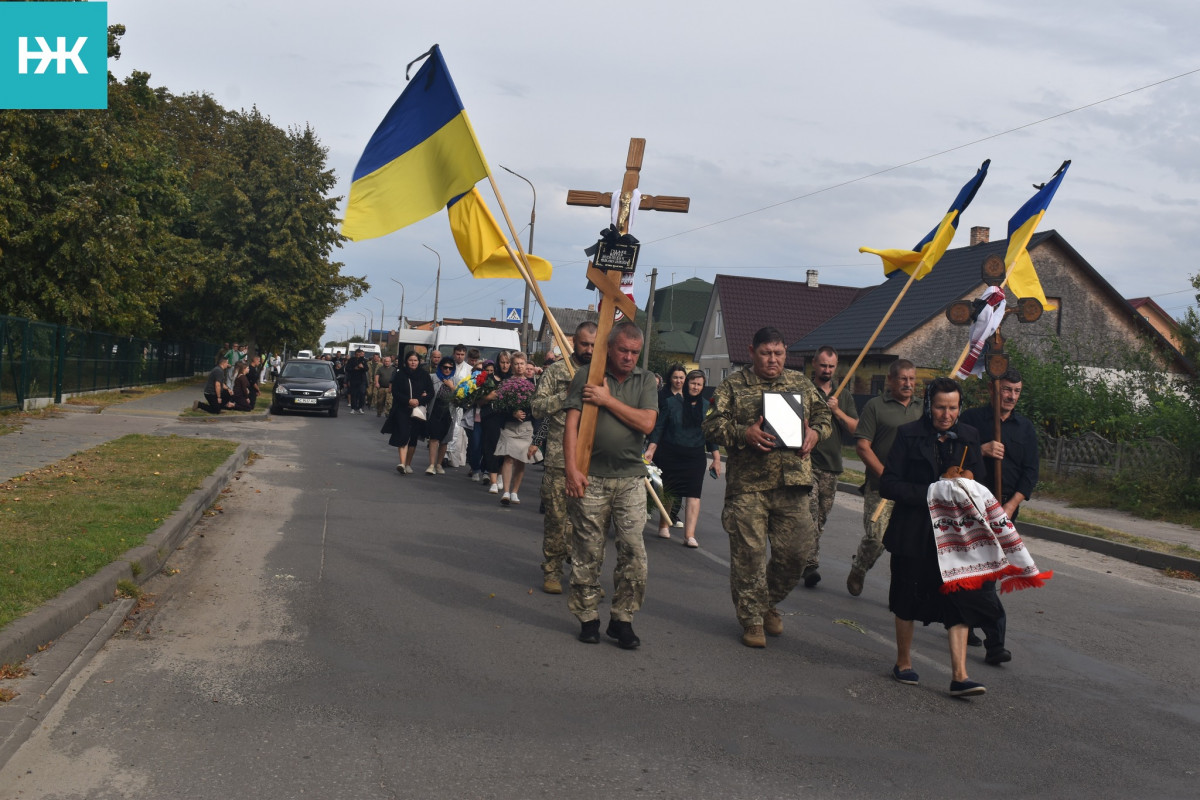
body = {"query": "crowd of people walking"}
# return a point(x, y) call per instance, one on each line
point(494, 417)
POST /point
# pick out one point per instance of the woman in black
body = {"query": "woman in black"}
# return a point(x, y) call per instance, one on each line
point(411, 387)
point(492, 421)
point(241, 388)
point(677, 447)
point(922, 453)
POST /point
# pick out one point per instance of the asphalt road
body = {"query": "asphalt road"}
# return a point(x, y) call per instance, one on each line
point(340, 631)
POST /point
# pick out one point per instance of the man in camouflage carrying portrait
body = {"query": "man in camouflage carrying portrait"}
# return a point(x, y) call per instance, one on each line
point(768, 488)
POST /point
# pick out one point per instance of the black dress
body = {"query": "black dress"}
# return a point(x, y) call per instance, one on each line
point(406, 431)
point(916, 460)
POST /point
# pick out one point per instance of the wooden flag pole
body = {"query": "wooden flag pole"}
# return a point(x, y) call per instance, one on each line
point(522, 264)
point(912, 277)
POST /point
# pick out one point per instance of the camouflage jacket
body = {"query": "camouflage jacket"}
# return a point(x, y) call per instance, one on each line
point(737, 404)
point(548, 406)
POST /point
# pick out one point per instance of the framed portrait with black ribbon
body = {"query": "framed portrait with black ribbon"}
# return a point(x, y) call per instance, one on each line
point(783, 418)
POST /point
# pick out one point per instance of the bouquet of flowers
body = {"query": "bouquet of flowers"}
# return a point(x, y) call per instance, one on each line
point(515, 394)
point(464, 393)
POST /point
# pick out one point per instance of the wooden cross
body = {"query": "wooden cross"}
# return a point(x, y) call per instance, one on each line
point(610, 287)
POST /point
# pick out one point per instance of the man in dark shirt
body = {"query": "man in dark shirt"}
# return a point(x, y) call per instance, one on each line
point(1017, 452)
point(356, 377)
point(216, 396)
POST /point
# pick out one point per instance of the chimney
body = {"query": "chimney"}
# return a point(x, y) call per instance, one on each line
point(812, 279)
point(980, 235)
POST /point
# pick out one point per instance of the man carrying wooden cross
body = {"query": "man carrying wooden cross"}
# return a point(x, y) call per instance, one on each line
point(613, 489)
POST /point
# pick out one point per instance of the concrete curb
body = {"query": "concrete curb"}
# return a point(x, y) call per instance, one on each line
point(24, 636)
point(1125, 552)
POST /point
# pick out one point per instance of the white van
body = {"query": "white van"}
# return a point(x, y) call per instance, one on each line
point(369, 349)
point(489, 341)
point(304, 354)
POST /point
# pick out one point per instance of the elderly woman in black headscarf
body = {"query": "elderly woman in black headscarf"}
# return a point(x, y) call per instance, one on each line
point(923, 452)
point(411, 389)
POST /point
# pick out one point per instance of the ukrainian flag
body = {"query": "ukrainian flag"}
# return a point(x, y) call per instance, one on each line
point(931, 249)
point(423, 154)
point(481, 243)
point(1022, 278)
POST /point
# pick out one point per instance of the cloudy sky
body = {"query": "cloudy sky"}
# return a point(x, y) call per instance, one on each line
point(801, 131)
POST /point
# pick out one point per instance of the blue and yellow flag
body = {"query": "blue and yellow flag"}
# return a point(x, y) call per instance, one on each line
point(423, 154)
point(481, 243)
point(931, 249)
point(1022, 278)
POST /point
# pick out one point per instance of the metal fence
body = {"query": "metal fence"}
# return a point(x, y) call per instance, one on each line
point(1092, 452)
point(41, 361)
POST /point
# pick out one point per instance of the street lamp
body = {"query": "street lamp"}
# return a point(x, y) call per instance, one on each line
point(527, 329)
point(401, 320)
point(381, 319)
point(364, 319)
point(437, 287)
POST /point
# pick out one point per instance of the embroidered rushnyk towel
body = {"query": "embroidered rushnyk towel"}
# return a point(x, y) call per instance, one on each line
point(976, 541)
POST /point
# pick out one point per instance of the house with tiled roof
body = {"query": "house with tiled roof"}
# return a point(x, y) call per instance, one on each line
point(1090, 315)
point(740, 305)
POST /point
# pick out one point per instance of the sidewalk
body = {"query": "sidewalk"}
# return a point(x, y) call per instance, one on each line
point(1110, 518)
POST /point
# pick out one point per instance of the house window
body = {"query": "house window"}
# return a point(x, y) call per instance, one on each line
point(707, 376)
point(724, 373)
point(878, 382)
point(718, 326)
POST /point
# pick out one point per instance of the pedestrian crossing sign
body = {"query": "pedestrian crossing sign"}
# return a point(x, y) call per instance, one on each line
point(512, 315)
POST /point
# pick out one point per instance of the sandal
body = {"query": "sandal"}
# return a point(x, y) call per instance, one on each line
point(691, 542)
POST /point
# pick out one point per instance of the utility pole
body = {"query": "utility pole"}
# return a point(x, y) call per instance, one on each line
point(526, 328)
point(649, 318)
point(437, 286)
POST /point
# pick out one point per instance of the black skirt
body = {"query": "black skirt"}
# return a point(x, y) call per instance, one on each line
point(682, 469)
point(916, 594)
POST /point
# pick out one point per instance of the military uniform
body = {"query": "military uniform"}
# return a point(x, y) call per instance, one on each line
point(882, 416)
point(827, 466)
point(616, 495)
point(549, 405)
point(766, 493)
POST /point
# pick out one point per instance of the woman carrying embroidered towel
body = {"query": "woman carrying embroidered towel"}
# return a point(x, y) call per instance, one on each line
point(924, 450)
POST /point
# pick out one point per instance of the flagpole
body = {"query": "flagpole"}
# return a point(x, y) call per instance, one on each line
point(522, 264)
point(912, 277)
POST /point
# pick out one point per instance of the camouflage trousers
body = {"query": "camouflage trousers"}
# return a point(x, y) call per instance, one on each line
point(620, 502)
point(781, 517)
point(871, 546)
point(382, 402)
point(556, 524)
point(823, 492)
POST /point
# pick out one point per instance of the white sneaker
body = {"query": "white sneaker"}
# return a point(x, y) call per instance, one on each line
point(440, 470)
point(500, 482)
point(431, 470)
point(512, 498)
point(506, 499)
point(407, 470)
point(494, 489)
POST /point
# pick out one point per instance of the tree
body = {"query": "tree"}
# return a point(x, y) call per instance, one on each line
point(1190, 327)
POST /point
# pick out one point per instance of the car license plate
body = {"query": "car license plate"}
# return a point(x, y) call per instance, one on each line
point(308, 400)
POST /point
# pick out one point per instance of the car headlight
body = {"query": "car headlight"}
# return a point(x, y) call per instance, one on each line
point(281, 389)
point(331, 392)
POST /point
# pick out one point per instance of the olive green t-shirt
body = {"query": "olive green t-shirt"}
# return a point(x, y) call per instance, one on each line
point(827, 455)
point(881, 416)
point(617, 451)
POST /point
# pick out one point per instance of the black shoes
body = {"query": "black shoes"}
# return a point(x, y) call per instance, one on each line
point(589, 632)
point(623, 633)
point(811, 577)
point(997, 656)
point(966, 688)
point(973, 640)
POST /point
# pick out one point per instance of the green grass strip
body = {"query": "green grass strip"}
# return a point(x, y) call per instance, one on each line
point(65, 522)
